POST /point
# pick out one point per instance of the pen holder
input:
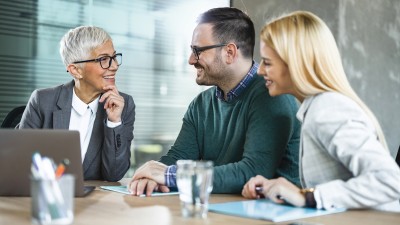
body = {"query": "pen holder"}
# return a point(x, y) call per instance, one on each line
point(53, 200)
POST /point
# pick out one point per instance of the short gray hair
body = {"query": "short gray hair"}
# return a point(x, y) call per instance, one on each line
point(78, 43)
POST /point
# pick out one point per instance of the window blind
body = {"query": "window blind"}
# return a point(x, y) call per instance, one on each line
point(154, 37)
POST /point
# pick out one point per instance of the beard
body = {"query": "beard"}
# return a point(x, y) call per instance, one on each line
point(210, 74)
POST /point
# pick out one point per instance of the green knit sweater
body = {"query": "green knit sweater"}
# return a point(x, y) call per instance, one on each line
point(255, 134)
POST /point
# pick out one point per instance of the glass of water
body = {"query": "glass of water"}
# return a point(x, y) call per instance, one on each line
point(194, 181)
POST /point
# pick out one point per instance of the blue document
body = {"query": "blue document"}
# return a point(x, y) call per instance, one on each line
point(267, 210)
point(124, 190)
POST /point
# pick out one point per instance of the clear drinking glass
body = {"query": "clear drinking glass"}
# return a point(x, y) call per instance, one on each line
point(194, 181)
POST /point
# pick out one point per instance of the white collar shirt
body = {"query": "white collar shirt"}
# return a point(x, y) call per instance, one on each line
point(82, 120)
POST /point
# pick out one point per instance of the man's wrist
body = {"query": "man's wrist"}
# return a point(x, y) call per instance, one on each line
point(170, 176)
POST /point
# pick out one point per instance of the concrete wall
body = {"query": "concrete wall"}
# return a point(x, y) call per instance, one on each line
point(368, 35)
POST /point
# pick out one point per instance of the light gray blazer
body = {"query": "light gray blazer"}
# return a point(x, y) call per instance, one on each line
point(108, 154)
point(341, 156)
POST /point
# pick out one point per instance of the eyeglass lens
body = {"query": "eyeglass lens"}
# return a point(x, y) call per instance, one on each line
point(105, 62)
point(195, 52)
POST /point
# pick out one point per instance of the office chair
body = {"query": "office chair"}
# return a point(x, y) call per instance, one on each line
point(13, 117)
point(398, 157)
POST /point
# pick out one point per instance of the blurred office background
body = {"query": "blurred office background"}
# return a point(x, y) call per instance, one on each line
point(154, 37)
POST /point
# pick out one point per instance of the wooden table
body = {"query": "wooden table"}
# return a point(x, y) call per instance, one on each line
point(106, 207)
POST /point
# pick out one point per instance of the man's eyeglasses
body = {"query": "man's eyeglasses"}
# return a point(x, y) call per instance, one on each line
point(105, 61)
point(197, 50)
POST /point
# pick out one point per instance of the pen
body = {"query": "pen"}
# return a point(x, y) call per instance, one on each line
point(259, 191)
point(37, 164)
point(61, 168)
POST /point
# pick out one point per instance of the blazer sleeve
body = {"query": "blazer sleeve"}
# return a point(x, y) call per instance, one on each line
point(116, 152)
point(31, 118)
point(348, 135)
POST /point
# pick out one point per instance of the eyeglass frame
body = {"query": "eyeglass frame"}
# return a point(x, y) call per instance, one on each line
point(197, 50)
point(100, 59)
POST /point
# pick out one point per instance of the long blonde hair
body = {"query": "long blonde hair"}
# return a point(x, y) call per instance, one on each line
point(307, 46)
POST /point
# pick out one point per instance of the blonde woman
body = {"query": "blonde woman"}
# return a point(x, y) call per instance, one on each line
point(344, 160)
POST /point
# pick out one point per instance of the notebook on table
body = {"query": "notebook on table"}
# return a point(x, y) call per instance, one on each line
point(267, 210)
point(17, 147)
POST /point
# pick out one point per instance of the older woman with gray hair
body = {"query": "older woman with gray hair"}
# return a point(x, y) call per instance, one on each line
point(90, 103)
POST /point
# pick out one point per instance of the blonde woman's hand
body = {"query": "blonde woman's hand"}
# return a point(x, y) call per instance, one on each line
point(249, 189)
point(281, 190)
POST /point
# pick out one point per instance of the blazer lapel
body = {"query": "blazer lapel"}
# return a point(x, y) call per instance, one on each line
point(61, 117)
point(96, 141)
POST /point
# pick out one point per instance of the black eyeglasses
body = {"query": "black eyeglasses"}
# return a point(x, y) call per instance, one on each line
point(105, 61)
point(197, 50)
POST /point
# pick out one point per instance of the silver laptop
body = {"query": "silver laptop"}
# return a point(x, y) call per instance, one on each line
point(17, 147)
